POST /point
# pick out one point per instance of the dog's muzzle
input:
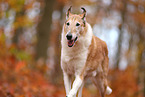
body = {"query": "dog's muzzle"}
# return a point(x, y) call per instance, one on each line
point(70, 40)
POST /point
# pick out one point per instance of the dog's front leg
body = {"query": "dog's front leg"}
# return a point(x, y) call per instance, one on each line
point(76, 85)
point(67, 82)
point(80, 90)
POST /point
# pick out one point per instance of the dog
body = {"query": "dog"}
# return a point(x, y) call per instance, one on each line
point(82, 55)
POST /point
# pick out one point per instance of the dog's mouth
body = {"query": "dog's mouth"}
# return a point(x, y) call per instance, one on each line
point(72, 42)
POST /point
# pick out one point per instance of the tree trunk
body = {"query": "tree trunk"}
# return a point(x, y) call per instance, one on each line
point(43, 30)
point(140, 61)
point(18, 30)
point(118, 55)
point(56, 45)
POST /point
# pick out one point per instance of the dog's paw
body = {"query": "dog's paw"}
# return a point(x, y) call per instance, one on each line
point(69, 96)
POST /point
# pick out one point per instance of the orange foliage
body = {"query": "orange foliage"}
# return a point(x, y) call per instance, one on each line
point(25, 82)
point(20, 65)
point(18, 79)
point(124, 83)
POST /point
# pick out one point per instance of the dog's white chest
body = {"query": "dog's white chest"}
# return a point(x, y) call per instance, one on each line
point(74, 63)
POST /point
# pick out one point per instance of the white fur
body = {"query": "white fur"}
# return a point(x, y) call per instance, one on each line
point(80, 90)
point(108, 90)
point(76, 85)
point(94, 73)
point(67, 83)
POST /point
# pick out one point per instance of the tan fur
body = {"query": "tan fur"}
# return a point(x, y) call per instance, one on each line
point(97, 60)
point(88, 57)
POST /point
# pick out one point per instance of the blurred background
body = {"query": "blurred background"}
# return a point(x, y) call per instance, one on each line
point(30, 33)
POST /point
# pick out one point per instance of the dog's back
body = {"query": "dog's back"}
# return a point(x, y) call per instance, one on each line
point(97, 58)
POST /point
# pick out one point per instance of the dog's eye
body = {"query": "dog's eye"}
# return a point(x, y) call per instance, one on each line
point(67, 23)
point(77, 24)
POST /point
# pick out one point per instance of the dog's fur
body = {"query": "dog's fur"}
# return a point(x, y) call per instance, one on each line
point(83, 56)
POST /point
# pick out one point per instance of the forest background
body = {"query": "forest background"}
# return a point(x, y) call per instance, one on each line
point(30, 34)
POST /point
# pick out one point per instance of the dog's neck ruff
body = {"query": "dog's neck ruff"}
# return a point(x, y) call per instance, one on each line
point(82, 44)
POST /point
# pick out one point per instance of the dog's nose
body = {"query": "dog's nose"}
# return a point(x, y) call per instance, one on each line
point(69, 36)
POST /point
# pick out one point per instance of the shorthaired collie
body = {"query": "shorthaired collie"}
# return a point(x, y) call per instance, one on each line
point(82, 55)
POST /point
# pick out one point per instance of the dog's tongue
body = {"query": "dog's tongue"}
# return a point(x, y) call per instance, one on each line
point(70, 43)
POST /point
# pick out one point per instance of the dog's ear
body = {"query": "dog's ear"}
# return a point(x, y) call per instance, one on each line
point(83, 15)
point(68, 13)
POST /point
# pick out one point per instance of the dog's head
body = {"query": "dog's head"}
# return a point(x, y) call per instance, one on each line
point(74, 26)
